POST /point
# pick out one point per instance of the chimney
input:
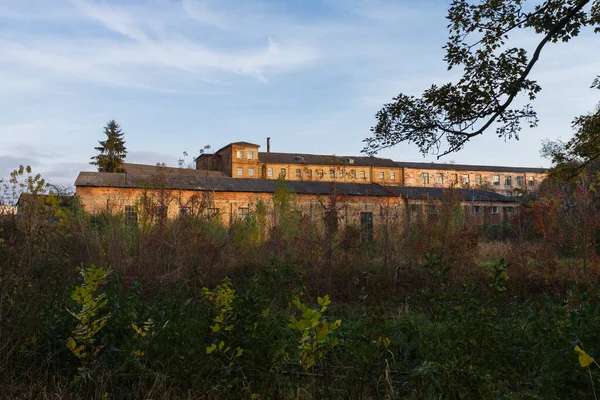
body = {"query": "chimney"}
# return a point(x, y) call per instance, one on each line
point(268, 145)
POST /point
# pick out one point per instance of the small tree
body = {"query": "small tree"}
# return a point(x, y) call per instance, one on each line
point(112, 151)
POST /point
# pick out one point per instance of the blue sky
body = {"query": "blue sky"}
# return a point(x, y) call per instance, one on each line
point(181, 74)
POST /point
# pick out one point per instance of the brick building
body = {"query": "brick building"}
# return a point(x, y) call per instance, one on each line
point(243, 160)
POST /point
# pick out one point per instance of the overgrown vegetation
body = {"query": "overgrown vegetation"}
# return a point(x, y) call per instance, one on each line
point(92, 306)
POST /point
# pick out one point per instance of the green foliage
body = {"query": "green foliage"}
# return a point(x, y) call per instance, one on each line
point(316, 338)
point(494, 74)
point(112, 151)
point(90, 313)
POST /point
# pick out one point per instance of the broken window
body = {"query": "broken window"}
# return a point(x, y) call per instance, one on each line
point(282, 173)
point(478, 180)
point(240, 154)
point(520, 180)
point(439, 179)
point(332, 173)
point(465, 179)
point(320, 173)
point(366, 226)
point(353, 174)
point(212, 212)
point(531, 181)
point(496, 180)
point(476, 210)
point(508, 180)
point(131, 218)
point(309, 173)
point(341, 174)
point(425, 178)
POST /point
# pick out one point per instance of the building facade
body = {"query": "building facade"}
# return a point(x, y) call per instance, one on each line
point(243, 160)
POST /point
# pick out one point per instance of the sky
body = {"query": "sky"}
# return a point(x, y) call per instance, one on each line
point(178, 75)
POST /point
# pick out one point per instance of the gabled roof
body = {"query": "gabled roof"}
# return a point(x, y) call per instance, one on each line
point(320, 159)
point(466, 167)
point(251, 185)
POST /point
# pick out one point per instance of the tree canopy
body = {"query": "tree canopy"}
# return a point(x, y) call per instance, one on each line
point(494, 74)
point(111, 151)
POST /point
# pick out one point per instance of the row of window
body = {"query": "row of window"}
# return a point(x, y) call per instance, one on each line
point(477, 210)
point(465, 179)
point(249, 154)
point(319, 173)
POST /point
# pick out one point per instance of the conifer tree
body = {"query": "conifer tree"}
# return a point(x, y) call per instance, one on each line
point(112, 151)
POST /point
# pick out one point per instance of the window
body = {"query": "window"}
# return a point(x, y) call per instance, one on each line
point(250, 171)
point(496, 180)
point(478, 180)
point(531, 181)
point(509, 193)
point(320, 173)
point(465, 179)
point(183, 211)
point(240, 171)
point(366, 226)
point(130, 216)
point(520, 180)
point(309, 173)
point(162, 211)
point(509, 210)
point(477, 210)
point(508, 180)
point(282, 173)
point(341, 174)
point(392, 176)
point(269, 171)
point(330, 218)
point(494, 209)
point(298, 173)
point(415, 208)
point(425, 178)
point(212, 212)
point(454, 178)
point(363, 175)
point(353, 174)
point(439, 179)
point(250, 155)
point(382, 175)
point(243, 212)
point(431, 208)
point(332, 173)
point(240, 154)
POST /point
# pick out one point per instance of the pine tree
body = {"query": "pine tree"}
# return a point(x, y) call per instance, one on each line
point(112, 151)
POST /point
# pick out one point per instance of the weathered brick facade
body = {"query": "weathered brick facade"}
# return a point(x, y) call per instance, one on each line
point(243, 160)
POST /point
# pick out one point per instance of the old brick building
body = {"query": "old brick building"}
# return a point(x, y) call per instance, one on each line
point(243, 160)
point(152, 192)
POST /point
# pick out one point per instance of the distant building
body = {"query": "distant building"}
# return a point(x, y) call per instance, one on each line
point(243, 160)
point(154, 192)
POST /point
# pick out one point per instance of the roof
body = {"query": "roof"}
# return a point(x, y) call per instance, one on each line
point(149, 170)
point(251, 185)
point(320, 159)
point(425, 193)
point(238, 144)
point(466, 167)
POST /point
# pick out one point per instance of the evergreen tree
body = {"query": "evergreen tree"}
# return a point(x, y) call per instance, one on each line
point(112, 151)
